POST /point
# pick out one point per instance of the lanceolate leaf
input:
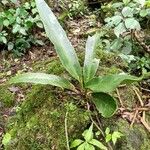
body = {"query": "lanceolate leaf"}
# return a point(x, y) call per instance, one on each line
point(90, 63)
point(109, 83)
point(105, 104)
point(42, 78)
point(118, 30)
point(98, 144)
point(58, 37)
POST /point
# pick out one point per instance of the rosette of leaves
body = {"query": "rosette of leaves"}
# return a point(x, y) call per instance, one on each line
point(99, 87)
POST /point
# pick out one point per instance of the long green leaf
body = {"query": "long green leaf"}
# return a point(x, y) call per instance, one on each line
point(105, 104)
point(90, 63)
point(109, 83)
point(98, 144)
point(59, 38)
point(42, 78)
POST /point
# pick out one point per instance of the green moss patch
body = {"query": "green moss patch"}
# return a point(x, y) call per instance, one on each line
point(6, 97)
point(39, 123)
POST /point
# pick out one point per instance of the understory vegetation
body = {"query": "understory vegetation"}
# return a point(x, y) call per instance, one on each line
point(74, 75)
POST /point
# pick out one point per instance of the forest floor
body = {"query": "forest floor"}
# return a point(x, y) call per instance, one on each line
point(131, 111)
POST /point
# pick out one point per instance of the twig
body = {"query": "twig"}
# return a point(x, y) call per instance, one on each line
point(141, 43)
point(66, 131)
point(119, 97)
point(145, 124)
point(97, 126)
point(147, 90)
point(143, 114)
point(138, 96)
point(136, 112)
point(88, 107)
point(142, 109)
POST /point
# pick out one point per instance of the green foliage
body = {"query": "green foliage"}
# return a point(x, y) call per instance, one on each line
point(125, 32)
point(6, 139)
point(90, 64)
point(112, 136)
point(42, 78)
point(17, 25)
point(74, 8)
point(100, 85)
point(125, 18)
point(58, 37)
point(89, 143)
point(105, 104)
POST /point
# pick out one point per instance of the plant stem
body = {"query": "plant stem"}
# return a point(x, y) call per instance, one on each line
point(66, 131)
point(98, 127)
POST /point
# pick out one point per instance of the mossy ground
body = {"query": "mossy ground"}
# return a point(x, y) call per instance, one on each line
point(6, 97)
point(39, 123)
point(39, 120)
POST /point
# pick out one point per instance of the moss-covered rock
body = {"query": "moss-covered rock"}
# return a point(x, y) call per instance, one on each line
point(39, 123)
point(136, 138)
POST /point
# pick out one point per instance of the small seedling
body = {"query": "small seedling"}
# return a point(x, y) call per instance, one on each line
point(112, 137)
point(89, 143)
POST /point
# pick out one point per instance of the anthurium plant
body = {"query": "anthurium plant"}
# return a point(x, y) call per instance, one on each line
point(99, 87)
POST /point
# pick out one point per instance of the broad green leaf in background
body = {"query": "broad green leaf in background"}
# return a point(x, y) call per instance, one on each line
point(14, 1)
point(42, 78)
point(58, 37)
point(10, 46)
point(116, 44)
point(6, 23)
point(105, 104)
point(16, 28)
point(90, 63)
point(98, 144)
point(109, 83)
point(143, 13)
point(131, 23)
point(3, 39)
point(116, 19)
point(118, 30)
point(127, 12)
point(127, 47)
point(142, 2)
